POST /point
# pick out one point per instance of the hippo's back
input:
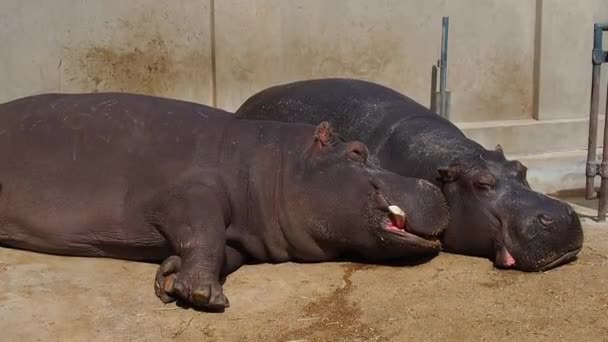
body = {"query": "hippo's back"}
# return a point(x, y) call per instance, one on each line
point(60, 131)
point(359, 110)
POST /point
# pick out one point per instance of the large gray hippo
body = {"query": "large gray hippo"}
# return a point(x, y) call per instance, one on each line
point(150, 179)
point(493, 211)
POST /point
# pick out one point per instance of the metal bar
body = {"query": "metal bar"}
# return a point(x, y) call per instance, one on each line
point(603, 170)
point(591, 168)
point(213, 79)
point(433, 106)
point(598, 57)
point(443, 72)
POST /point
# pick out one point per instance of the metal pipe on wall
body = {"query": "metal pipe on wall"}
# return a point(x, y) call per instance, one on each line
point(433, 104)
point(440, 99)
point(598, 57)
point(591, 168)
point(603, 171)
point(443, 68)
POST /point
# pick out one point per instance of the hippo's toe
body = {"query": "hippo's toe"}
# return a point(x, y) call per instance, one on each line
point(174, 282)
point(210, 296)
point(165, 278)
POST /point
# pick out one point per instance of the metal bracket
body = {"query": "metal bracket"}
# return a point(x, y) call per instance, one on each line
point(592, 169)
point(599, 56)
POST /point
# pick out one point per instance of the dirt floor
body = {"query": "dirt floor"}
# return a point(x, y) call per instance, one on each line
point(49, 298)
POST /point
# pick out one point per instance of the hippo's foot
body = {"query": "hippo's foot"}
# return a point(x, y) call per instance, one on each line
point(173, 282)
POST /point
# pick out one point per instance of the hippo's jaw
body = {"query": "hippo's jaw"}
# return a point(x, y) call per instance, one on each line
point(562, 260)
point(505, 260)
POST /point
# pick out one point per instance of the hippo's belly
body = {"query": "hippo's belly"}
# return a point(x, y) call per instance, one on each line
point(64, 215)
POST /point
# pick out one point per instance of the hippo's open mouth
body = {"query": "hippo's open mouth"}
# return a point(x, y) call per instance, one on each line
point(397, 224)
point(397, 221)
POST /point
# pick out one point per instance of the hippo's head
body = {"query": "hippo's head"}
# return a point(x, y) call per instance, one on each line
point(352, 208)
point(495, 213)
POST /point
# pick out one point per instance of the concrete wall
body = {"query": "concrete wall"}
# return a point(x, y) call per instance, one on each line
point(152, 47)
point(564, 61)
point(508, 59)
point(514, 59)
point(264, 42)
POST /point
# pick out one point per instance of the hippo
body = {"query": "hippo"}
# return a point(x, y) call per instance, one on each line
point(189, 187)
point(494, 213)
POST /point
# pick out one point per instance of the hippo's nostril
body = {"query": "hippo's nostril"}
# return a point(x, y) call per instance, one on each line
point(375, 183)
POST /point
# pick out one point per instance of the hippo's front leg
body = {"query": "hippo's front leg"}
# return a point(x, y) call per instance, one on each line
point(195, 226)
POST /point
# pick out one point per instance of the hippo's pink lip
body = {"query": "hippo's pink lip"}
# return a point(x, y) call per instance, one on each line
point(405, 235)
point(397, 222)
point(391, 226)
point(504, 258)
point(399, 225)
point(400, 228)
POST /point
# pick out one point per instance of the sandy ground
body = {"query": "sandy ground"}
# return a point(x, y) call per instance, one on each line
point(50, 298)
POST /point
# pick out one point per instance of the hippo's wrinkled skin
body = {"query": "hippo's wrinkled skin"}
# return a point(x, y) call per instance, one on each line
point(150, 179)
point(493, 211)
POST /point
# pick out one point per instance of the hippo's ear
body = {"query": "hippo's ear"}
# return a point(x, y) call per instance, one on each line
point(450, 173)
point(323, 134)
point(520, 168)
point(498, 148)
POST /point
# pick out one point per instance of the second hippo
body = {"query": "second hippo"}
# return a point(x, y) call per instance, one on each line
point(493, 211)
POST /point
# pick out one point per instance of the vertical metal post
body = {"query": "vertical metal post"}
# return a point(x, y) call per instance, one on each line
point(433, 104)
point(591, 168)
point(443, 68)
point(603, 171)
point(598, 57)
point(213, 53)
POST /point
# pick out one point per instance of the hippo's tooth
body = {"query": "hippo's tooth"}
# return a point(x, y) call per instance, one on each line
point(395, 210)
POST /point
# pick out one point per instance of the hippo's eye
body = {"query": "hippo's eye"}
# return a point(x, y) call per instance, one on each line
point(486, 182)
point(357, 155)
point(545, 220)
point(484, 186)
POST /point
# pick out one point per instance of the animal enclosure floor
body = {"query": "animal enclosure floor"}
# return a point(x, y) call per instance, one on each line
point(457, 298)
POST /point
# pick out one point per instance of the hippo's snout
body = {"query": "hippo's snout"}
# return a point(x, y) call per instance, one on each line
point(553, 237)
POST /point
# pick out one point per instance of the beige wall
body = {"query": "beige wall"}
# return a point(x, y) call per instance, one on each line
point(514, 59)
point(152, 47)
point(565, 57)
point(264, 42)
